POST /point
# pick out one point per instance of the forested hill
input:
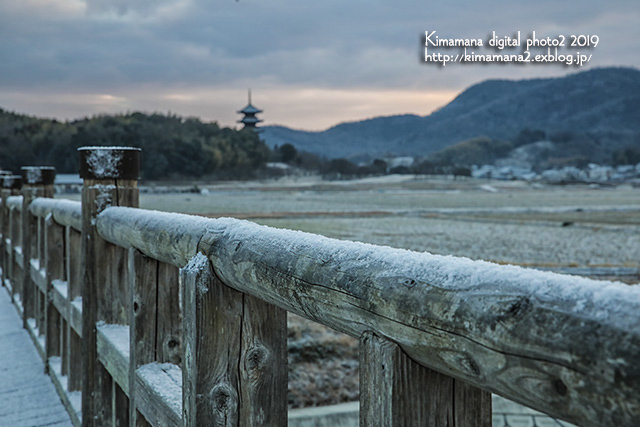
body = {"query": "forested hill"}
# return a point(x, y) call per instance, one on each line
point(172, 146)
point(603, 102)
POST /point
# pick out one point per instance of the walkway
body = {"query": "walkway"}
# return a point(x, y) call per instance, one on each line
point(27, 396)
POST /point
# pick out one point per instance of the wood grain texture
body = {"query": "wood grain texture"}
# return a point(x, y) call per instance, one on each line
point(120, 407)
point(96, 390)
point(554, 343)
point(396, 391)
point(169, 325)
point(263, 369)
point(114, 358)
point(29, 239)
point(14, 259)
point(157, 393)
point(73, 239)
point(473, 405)
point(76, 368)
point(65, 212)
point(143, 277)
point(115, 308)
point(54, 260)
point(64, 348)
point(102, 414)
point(4, 230)
point(98, 292)
point(211, 349)
point(169, 238)
point(73, 268)
point(537, 340)
point(234, 363)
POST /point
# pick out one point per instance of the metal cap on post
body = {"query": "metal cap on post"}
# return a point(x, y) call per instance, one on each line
point(109, 162)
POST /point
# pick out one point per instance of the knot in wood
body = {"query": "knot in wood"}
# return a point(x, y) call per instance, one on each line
point(409, 283)
point(222, 397)
point(172, 348)
point(519, 306)
point(256, 358)
point(513, 310)
point(560, 387)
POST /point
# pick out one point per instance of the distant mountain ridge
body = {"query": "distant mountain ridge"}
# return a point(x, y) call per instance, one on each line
point(604, 102)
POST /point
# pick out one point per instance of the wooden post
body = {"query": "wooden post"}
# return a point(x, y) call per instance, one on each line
point(14, 265)
point(4, 193)
point(54, 262)
point(11, 185)
point(234, 369)
point(110, 177)
point(73, 243)
point(396, 391)
point(142, 333)
point(37, 182)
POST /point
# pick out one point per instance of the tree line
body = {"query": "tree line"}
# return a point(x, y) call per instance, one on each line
point(172, 146)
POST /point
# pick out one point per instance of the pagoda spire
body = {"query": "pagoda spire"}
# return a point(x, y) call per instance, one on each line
point(249, 119)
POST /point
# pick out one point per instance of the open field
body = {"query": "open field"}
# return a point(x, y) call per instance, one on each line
point(505, 222)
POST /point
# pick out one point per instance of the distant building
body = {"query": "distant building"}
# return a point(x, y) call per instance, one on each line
point(249, 120)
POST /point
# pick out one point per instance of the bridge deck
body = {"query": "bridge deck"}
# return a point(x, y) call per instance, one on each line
point(27, 396)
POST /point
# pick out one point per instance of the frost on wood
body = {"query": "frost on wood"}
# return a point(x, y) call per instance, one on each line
point(15, 201)
point(104, 162)
point(165, 379)
point(33, 174)
point(9, 181)
point(103, 198)
point(416, 269)
point(118, 335)
point(196, 265)
point(61, 286)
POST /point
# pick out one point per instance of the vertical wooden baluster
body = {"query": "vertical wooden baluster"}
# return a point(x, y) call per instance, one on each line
point(6, 180)
point(54, 264)
point(234, 368)
point(73, 242)
point(396, 391)
point(11, 185)
point(142, 335)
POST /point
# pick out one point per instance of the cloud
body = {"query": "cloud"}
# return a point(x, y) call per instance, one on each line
point(179, 47)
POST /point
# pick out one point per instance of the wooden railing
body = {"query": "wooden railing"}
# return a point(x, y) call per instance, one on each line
point(169, 319)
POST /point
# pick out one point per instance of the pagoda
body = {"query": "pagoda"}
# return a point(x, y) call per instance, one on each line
point(249, 120)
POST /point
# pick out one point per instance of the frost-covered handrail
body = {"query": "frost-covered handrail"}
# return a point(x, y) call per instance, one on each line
point(564, 345)
point(65, 212)
point(15, 202)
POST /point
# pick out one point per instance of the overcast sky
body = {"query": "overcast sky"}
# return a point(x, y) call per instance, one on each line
point(309, 64)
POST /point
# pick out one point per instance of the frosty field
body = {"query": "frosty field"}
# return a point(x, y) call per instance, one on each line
point(505, 222)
